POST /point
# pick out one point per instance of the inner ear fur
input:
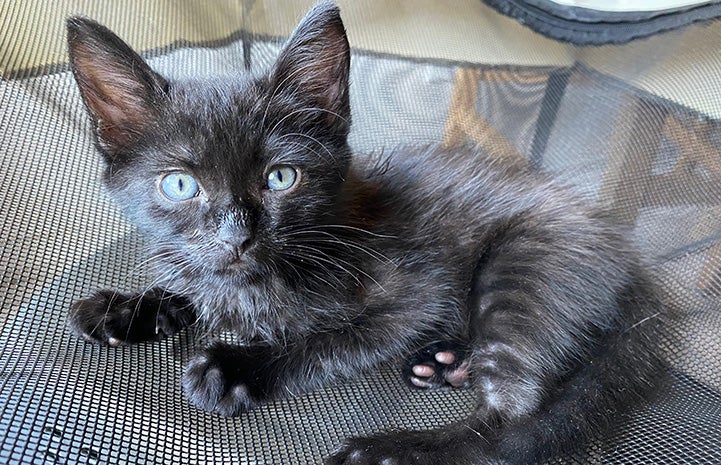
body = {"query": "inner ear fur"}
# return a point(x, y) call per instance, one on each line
point(315, 63)
point(120, 91)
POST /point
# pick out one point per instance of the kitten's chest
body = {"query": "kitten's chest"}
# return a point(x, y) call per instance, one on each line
point(263, 311)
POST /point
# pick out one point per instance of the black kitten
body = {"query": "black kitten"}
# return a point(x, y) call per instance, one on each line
point(327, 265)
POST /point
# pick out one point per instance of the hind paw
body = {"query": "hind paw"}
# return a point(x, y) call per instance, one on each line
point(440, 365)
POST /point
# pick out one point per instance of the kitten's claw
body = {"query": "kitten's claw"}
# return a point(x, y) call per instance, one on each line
point(440, 365)
point(112, 318)
point(218, 380)
point(359, 451)
point(103, 317)
point(394, 449)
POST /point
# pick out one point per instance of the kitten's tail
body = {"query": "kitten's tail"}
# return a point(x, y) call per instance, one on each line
point(628, 372)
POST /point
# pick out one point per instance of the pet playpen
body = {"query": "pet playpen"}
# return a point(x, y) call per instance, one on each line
point(635, 126)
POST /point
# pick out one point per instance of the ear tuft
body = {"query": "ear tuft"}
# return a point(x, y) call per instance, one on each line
point(118, 87)
point(315, 64)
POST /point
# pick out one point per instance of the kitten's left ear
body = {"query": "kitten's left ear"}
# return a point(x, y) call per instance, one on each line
point(315, 64)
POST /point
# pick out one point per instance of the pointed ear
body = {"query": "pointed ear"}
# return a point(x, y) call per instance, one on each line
point(118, 87)
point(315, 64)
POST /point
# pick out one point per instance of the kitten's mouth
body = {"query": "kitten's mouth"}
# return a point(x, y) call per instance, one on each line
point(233, 264)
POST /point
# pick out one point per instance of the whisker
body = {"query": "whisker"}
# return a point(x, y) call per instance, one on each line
point(303, 110)
point(349, 243)
point(304, 146)
point(307, 136)
point(315, 259)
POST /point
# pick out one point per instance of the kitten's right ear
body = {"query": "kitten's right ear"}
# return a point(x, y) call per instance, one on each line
point(120, 90)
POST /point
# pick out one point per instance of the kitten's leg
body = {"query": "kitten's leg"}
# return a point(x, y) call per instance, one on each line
point(440, 365)
point(552, 357)
point(115, 318)
point(229, 379)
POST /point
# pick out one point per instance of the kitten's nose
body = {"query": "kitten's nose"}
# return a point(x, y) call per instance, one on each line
point(234, 233)
point(237, 241)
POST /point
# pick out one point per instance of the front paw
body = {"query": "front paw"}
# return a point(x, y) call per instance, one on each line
point(227, 379)
point(114, 318)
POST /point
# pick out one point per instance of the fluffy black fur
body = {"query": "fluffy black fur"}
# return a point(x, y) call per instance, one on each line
point(539, 298)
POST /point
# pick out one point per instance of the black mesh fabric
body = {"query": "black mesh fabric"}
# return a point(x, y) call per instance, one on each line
point(635, 128)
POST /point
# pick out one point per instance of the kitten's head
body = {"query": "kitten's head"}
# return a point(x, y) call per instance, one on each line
point(225, 175)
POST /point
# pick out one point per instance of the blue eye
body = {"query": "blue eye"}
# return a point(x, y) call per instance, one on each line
point(281, 177)
point(179, 186)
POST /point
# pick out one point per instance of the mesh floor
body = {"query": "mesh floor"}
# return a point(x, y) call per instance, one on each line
point(615, 122)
